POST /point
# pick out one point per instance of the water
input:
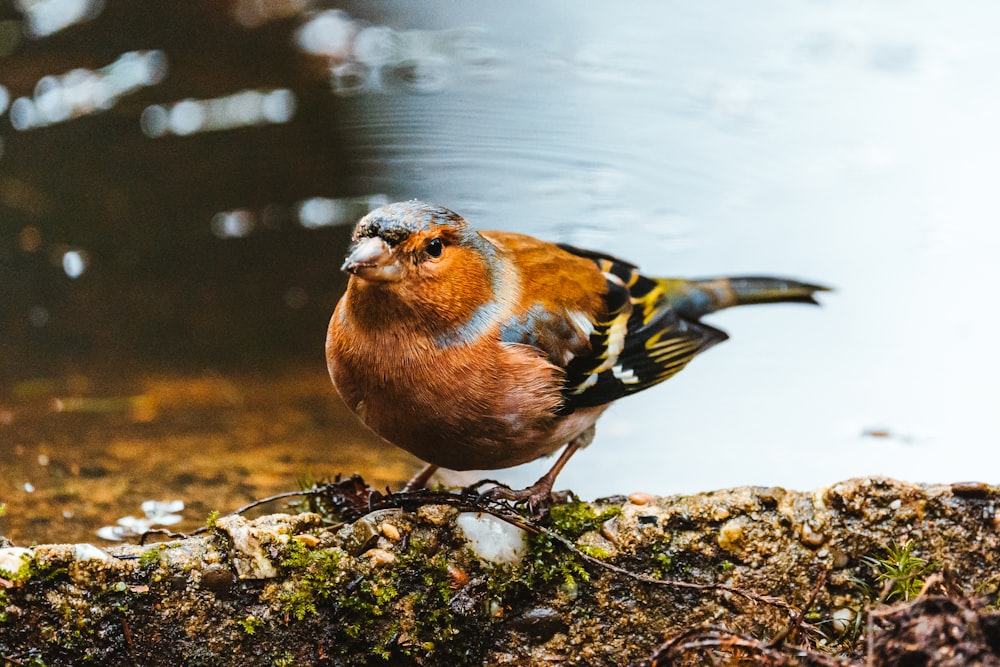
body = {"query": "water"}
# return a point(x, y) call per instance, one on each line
point(850, 143)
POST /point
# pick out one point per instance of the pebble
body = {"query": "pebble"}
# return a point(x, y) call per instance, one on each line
point(641, 498)
point(89, 552)
point(458, 576)
point(540, 623)
point(12, 558)
point(437, 515)
point(380, 557)
point(389, 531)
point(731, 536)
point(811, 538)
point(217, 578)
point(306, 539)
point(842, 619)
point(492, 539)
point(971, 489)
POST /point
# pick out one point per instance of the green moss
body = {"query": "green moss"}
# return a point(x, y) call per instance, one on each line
point(577, 517)
point(399, 609)
point(151, 557)
point(504, 581)
point(594, 552)
point(548, 562)
point(436, 619)
point(316, 577)
point(663, 562)
point(250, 624)
point(990, 588)
point(212, 520)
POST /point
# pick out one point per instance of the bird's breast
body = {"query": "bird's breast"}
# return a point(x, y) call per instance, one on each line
point(481, 404)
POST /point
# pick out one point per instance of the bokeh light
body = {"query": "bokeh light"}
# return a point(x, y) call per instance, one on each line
point(30, 238)
point(74, 263)
point(45, 17)
point(328, 33)
point(233, 224)
point(364, 58)
point(317, 212)
point(247, 108)
point(80, 92)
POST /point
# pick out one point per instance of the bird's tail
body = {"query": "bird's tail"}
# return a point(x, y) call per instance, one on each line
point(694, 298)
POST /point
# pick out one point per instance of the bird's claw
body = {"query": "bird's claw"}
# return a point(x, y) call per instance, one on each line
point(538, 497)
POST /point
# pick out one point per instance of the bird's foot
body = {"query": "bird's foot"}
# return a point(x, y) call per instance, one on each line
point(538, 497)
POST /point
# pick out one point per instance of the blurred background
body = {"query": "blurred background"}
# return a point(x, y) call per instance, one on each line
point(178, 182)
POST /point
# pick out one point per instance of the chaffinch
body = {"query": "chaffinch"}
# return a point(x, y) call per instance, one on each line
point(484, 350)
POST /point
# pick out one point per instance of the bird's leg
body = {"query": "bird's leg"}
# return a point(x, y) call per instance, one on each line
point(540, 493)
point(419, 480)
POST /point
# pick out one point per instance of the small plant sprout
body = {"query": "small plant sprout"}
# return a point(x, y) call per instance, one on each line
point(900, 572)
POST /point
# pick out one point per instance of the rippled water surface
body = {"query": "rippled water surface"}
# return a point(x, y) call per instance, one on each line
point(175, 198)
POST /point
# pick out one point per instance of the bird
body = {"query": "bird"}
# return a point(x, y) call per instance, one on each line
point(482, 350)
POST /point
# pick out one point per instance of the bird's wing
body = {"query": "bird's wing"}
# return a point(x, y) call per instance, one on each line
point(640, 339)
point(612, 330)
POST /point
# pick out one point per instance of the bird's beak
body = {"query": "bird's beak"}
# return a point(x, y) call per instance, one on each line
point(372, 259)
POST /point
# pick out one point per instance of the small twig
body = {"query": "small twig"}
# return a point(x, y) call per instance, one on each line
point(162, 531)
point(796, 623)
point(713, 637)
point(127, 631)
point(240, 510)
point(264, 501)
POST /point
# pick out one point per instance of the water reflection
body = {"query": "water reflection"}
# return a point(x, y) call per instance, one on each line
point(243, 109)
point(317, 212)
point(80, 91)
point(365, 58)
point(45, 17)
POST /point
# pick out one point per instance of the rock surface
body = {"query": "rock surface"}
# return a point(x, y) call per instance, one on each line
point(745, 574)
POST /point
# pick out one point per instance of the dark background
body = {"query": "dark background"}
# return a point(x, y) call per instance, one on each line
point(159, 285)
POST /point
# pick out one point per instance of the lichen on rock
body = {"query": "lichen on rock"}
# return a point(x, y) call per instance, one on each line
point(440, 579)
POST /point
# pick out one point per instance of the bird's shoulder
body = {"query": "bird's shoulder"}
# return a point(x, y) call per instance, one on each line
point(558, 299)
point(550, 275)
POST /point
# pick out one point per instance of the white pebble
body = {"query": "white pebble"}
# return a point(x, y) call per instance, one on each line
point(12, 558)
point(89, 552)
point(491, 539)
point(842, 619)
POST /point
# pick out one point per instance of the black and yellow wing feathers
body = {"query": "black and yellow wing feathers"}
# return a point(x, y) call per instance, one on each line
point(640, 341)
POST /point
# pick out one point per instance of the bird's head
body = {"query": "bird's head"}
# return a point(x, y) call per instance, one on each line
point(422, 265)
point(412, 241)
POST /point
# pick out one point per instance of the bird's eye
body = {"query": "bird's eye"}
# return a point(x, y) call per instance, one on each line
point(435, 247)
